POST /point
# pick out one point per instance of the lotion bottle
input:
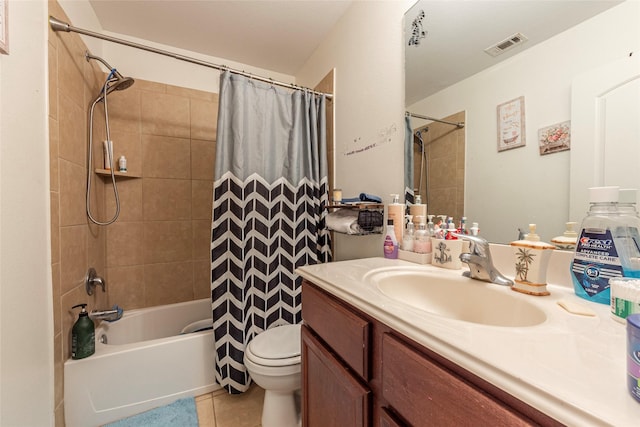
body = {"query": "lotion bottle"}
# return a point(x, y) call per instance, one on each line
point(395, 212)
point(390, 246)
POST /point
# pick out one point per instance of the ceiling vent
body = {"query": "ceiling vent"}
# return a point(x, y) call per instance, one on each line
point(506, 44)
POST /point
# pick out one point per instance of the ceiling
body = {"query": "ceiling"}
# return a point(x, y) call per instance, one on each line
point(458, 32)
point(281, 35)
point(270, 34)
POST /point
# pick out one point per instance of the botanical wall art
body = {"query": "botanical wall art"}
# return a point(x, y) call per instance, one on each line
point(511, 130)
point(554, 138)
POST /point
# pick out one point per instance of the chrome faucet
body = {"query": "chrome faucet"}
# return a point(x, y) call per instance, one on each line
point(109, 315)
point(480, 263)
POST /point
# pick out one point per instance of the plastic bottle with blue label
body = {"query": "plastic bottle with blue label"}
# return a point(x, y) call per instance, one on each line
point(596, 258)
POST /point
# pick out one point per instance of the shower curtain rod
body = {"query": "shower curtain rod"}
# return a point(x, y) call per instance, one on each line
point(58, 25)
point(459, 125)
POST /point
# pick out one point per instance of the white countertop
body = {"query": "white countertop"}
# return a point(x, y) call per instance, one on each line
point(571, 367)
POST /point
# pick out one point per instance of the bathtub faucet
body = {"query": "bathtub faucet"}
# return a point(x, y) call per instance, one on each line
point(92, 280)
point(109, 315)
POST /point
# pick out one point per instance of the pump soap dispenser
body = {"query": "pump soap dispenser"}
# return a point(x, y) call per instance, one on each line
point(83, 337)
point(531, 260)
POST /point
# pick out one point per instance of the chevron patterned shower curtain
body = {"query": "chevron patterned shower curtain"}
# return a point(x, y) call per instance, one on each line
point(270, 192)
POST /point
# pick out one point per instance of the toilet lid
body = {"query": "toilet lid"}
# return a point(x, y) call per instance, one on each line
point(282, 342)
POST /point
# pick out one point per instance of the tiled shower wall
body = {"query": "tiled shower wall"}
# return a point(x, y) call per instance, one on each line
point(445, 148)
point(157, 252)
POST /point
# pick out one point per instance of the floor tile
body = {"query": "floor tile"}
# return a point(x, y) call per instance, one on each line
point(239, 410)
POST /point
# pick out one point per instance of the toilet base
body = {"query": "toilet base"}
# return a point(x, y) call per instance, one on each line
point(280, 410)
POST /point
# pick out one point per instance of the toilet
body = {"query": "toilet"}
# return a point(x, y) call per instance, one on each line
point(272, 359)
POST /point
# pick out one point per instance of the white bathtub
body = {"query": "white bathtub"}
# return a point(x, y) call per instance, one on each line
point(146, 363)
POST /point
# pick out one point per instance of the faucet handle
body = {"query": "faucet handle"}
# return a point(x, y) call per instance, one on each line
point(479, 245)
point(92, 279)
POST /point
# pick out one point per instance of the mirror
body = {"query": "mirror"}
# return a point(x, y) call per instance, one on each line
point(447, 71)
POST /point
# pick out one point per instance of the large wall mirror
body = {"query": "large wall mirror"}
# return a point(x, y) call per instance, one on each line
point(537, 51)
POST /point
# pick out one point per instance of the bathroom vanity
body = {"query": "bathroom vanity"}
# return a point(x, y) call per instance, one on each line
point(371, 359)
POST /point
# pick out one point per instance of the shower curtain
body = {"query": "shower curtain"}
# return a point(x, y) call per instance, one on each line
point(270, 192)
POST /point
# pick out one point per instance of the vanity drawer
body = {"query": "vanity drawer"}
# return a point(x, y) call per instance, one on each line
point(347, 333)
point(419, 389)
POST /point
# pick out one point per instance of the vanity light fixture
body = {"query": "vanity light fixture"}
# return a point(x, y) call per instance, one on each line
point(506, 44)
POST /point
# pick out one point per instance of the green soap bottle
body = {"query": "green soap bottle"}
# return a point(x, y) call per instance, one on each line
point(83, 335)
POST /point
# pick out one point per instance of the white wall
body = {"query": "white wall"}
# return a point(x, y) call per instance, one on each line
point(26, 319)
point(513, 188)
point(145, 65)
point(366, 49)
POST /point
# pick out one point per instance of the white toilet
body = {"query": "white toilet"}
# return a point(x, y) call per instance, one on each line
point(272, 359)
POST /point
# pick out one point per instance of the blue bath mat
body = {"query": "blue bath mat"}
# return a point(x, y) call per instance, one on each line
point(179, 413)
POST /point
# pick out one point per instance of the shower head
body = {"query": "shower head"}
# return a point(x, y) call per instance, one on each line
point(118, 81)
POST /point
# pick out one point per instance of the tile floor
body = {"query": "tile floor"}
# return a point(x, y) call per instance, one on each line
point(221, 409)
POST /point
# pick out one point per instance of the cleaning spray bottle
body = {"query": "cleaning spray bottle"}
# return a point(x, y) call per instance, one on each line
point(83, 336)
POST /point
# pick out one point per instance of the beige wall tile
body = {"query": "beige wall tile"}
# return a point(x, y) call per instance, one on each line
point(168, 283)
point(54, 139)
point(130, 146)
point(55, 227)
point(166, 199)
point(201, 239)
point(96, 247)
point(166, 157)
point(72, 142)
point(203, 155)
point(124, 244)
point(126, 286)
point(167, 241)
point(165, 115)
point(70, 69)
point(191, 93)
point(202, 279)
point(72, 194)
point(124, 110)
point(130, 195)
point(57, 293)
point(204, 119)
point(201, 199)
point(73, 256)
point(149, 86)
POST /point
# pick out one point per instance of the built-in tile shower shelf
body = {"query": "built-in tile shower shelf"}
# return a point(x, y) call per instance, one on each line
point(107, 173)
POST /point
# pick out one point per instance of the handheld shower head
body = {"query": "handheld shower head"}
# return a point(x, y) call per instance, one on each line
point(118, 81)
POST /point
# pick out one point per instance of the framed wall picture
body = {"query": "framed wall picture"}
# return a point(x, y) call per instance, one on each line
point(4, 27)
point(511, 129)
point(552, 139)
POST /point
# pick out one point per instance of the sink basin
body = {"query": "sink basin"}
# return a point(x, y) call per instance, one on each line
point(457, 297)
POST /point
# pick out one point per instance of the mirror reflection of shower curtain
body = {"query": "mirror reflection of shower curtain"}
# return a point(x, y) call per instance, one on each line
point(408, 161)
point(270, 192)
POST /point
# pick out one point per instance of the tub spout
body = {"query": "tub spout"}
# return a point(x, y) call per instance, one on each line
point(109, 315)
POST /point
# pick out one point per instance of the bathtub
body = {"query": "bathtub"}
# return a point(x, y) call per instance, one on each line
point(142, 361)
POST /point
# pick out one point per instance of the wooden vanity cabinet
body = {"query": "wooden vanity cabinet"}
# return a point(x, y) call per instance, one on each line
point(357, 371)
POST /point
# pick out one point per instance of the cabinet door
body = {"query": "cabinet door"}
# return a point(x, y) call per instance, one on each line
point(388, 420)
point(343, 330)
point(331, 395)
point(425, 393)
